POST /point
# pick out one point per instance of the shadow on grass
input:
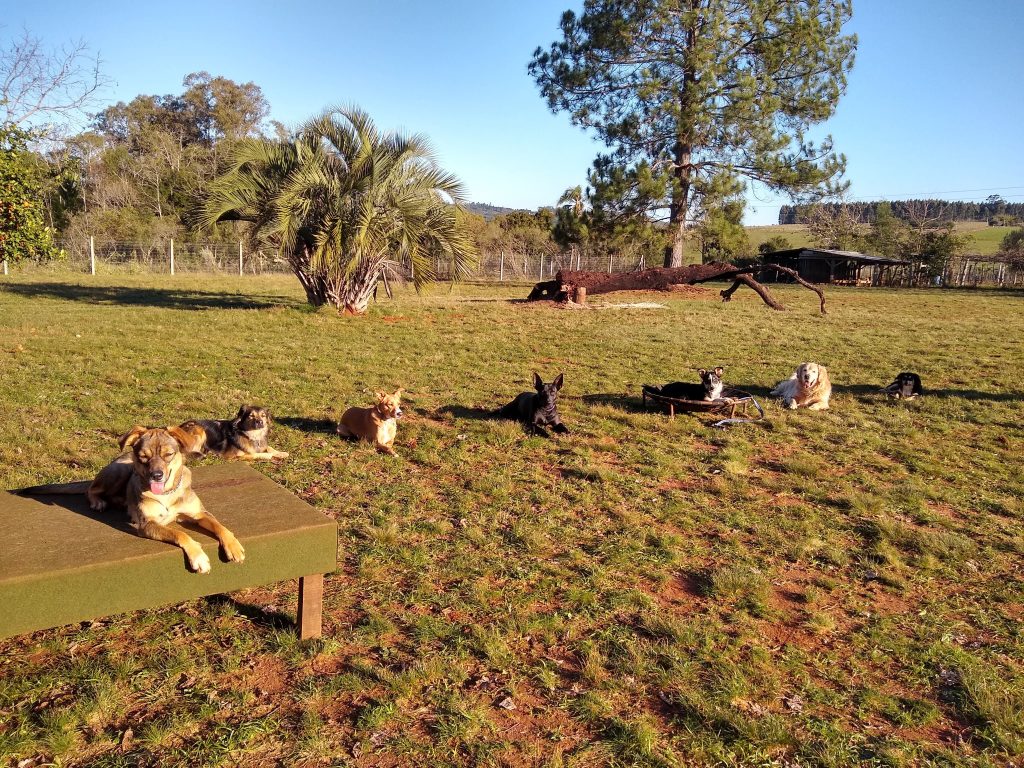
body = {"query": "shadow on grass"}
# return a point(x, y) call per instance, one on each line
point(166, 298)
point(971, 394)
point(312, 426)
point(261, 617)
point(872, 392)
point(622, 401)
point(463, 412)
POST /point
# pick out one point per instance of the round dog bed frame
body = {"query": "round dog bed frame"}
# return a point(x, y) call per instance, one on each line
point(732, 401)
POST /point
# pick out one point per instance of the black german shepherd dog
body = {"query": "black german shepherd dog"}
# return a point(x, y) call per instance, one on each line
point(537, 410)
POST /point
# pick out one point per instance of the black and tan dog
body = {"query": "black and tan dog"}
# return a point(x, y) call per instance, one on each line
point(536, 410)
point(243, 437)
point(906, 385)
point(150, 481)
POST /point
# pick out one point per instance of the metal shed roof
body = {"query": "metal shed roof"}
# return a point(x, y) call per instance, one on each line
point(826, 254)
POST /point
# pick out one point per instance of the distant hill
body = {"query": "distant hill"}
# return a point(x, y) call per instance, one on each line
point(488, 211)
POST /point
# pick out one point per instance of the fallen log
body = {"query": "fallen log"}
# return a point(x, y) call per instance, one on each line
point(567, 282)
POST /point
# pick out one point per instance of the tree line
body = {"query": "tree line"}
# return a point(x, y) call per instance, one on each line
point(994, 210)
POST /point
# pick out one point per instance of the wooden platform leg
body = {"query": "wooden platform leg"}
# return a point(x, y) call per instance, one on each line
point(311, 606)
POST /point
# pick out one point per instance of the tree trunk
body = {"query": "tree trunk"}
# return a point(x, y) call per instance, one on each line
point(682, 159)
point(566, 283)
point(678, 207)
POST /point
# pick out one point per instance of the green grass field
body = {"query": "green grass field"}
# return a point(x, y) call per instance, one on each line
point(983, 239)
point(822, 589)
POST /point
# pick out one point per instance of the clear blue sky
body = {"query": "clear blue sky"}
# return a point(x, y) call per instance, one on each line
point(934, 106)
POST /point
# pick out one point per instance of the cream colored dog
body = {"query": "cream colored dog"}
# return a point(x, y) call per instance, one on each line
point(809, 387)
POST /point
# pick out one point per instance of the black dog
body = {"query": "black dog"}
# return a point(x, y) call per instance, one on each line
point(710, 387)
point(906, 385)
point(537, 410)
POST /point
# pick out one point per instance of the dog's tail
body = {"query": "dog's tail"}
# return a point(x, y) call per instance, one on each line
point(192, 437)
point(650, 389)
point(56, 489)
point(510, 411)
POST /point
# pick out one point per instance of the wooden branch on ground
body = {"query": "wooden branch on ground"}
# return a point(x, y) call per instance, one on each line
point(567, 282)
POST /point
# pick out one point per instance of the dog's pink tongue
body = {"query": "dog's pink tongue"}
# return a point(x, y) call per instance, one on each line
point(156, 486)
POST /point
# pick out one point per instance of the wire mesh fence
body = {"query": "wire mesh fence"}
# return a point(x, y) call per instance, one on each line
point(169, 257)
point(174, 257)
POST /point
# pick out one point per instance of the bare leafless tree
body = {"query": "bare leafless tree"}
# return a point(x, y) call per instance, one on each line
point(925, 214)
point(41, 86)
point(832, 225)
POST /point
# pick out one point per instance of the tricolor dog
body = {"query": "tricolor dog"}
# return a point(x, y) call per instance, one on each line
point(906, 385)
point(710, 387)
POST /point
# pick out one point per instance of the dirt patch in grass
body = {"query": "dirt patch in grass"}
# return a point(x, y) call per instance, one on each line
point(694, 292)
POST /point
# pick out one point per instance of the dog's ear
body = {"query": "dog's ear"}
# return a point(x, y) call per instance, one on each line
point(381, 395)
point(701, 372)
point(538, 383)
point(719, 370)
point(558, 381)
point(240, 416)
point(130, 437)
point(186, 440)
point(398, 392)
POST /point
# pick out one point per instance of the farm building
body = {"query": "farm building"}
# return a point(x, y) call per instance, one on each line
point(821, 265)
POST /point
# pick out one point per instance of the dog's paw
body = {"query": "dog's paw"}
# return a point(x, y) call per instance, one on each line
point(791, 404)
point(233, 549)
point(281, 454)
point(199, 561)
point(97, 505)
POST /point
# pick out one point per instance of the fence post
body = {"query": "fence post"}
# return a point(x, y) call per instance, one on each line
point(609, 263)
point(172, 255)
point(501, 267)
point(92, 255)
point(5, 266)
point(239, 258)
point(541, 266)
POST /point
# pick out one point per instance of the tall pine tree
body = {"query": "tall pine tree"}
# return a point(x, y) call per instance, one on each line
point(692, 94)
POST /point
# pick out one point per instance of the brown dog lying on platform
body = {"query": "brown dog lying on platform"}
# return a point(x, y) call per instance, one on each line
point(377, 425)
point(150, 480)
point(243, 437)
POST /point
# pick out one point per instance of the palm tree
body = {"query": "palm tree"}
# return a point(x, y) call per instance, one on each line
point(571, 226)
point(345, 205)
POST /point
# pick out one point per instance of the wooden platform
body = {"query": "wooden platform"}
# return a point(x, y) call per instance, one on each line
point(62, 563)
